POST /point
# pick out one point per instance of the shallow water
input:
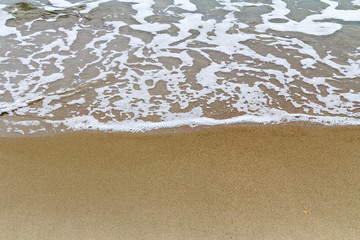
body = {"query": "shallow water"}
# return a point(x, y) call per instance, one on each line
point(134, 65)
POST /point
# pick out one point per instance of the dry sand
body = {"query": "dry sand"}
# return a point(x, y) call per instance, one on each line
point(275, 182)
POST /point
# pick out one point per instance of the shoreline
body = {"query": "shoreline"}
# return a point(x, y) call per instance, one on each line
point(181, 129)
point(223, 182)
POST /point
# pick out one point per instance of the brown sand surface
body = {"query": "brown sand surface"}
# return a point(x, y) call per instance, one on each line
point(274, 182)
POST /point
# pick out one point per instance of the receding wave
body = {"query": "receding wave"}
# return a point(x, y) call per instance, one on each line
point(134, 65)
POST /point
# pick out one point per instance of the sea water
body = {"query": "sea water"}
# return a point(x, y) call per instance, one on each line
point(136, 65)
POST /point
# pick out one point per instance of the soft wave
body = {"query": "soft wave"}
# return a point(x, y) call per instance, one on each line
point(134, 65)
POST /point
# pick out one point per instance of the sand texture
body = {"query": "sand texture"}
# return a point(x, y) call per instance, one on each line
point(274, 182)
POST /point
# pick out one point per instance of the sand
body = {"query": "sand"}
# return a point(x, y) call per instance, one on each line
point(274, 182)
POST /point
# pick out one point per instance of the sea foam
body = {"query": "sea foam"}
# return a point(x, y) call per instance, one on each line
point(136, 65)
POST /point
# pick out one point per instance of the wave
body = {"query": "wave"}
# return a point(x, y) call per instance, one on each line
point(142, 64)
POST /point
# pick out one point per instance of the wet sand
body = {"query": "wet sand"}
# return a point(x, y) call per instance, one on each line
point(275, 182)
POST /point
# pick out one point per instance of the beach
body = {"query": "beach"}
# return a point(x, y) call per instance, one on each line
point(183, 119)
point(224, 182)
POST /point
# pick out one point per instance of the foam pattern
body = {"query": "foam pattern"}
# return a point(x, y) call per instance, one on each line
point(136, 65)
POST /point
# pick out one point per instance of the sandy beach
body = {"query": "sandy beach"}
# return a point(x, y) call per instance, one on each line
point(273, 182)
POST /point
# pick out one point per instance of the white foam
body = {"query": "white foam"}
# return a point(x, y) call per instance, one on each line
point(209, 61)
point(26, 123)
point(308, 63)
point(185, 4)
point(275, 117)
point(356, 2)
point(60, 3)
point(312, 24)
point(4, 16)
point(332, 13)
point(92, 5)
point(77, 101)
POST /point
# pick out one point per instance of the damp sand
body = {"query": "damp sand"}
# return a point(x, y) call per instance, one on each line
point(273, 182)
